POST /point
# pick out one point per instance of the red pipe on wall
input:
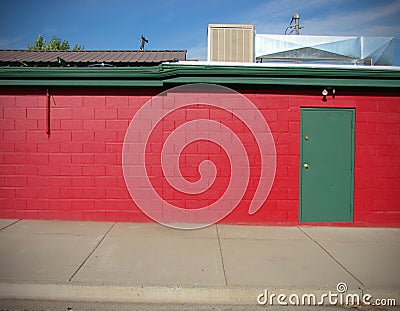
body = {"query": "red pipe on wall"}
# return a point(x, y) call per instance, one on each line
point(47, 112)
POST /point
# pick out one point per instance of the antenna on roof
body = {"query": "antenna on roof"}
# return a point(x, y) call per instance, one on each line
point(144, 41)
point(21, 62)
point(62, 62)
point(296, 27)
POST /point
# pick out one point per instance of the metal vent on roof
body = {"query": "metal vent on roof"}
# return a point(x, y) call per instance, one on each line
point(231, 43)
point(367, 50)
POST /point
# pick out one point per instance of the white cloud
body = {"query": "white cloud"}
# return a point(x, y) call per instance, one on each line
point(335, 18)
point(277, 14)
point(198, 52)
point(370, 22)
point(12, 43)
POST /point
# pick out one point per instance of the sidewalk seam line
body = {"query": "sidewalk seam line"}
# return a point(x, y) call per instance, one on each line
point(9, 225)
point(90, 254)
point(330, 255)
point(222, 257)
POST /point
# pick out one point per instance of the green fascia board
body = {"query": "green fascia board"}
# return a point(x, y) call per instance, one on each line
point(286, 75)
point(286, 81)
point(64, 76)
point(65, 72)
point(165, 74)
point(79, 82)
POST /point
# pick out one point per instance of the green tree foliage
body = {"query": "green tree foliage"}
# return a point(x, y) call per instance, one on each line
point(54, 44)
point(78, 47)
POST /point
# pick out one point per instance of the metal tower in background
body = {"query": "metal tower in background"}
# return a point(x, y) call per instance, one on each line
point(296, 27)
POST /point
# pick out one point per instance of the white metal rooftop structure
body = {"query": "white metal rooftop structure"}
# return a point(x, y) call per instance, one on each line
point(339, 49)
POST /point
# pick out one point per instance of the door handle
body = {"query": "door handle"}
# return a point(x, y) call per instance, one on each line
point(305, 165)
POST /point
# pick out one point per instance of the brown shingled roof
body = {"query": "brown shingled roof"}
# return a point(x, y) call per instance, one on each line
point(90, 57)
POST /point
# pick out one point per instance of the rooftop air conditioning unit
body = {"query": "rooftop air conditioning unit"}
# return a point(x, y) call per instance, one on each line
point(230, 43)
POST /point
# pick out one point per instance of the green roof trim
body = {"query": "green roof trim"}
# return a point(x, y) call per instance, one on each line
point(181, 73)
point(80, 82)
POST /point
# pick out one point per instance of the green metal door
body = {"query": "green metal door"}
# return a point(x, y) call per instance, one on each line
point(326, 165)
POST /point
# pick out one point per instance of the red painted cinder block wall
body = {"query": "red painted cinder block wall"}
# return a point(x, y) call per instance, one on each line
point(76, 172)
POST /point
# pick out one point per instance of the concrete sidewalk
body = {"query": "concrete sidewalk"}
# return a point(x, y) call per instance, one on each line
point(220, 264)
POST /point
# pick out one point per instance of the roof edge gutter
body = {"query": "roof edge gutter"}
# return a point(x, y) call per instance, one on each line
point(190, 72)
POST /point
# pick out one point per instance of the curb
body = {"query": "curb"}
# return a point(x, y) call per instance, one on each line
point(128, 294)
point(218, 295)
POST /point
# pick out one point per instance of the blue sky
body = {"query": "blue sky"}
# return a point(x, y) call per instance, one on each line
point(178, 24)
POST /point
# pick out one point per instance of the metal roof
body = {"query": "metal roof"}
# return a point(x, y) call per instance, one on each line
point(90, 57)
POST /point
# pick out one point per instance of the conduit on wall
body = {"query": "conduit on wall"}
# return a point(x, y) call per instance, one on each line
point(48, 112)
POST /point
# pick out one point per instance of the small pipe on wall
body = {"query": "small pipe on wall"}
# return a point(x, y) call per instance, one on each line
point(47, 112)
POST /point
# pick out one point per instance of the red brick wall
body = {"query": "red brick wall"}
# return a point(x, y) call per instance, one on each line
point(76, 173)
